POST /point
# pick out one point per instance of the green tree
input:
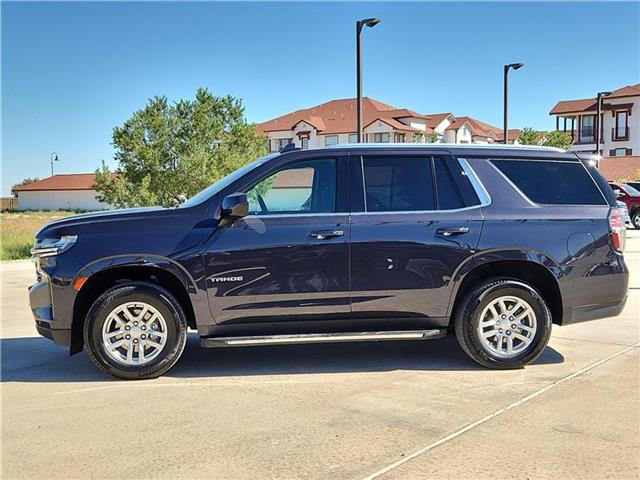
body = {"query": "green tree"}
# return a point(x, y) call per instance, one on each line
point(558, 139)
point(529, 136)
point(166, 153)
point(26, 181)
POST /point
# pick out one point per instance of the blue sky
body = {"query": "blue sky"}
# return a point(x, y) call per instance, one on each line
point(73, 71)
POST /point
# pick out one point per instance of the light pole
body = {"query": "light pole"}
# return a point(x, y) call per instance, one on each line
point(507, 67)
point(368, 22)
point(54, 158)
point(596, 124)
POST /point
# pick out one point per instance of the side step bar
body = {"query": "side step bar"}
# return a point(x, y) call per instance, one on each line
point(210, 342)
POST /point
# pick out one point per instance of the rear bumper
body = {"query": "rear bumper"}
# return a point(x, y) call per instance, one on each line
point(42, 310)
point(585, 313)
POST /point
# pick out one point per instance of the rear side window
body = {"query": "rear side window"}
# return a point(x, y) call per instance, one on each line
point(453, 187)
point(552, 182)
point(393, 184)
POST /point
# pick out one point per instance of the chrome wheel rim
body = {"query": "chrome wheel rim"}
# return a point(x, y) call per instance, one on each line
point(134, 333)
point(507, 326)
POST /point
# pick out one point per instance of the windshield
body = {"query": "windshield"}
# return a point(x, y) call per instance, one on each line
point(211, 190)
point(630, 190)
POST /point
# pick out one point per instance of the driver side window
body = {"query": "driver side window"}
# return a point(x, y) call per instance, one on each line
point(304, 187)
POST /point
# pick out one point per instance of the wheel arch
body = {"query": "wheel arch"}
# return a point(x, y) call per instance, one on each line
point(541, 272)
point(96, 278)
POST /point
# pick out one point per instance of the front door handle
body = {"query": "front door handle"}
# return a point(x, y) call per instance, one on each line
point(447, 232)
point(323, 234)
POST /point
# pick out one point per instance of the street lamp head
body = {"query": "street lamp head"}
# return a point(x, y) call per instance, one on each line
point(369, 22)
point(515, 66)
point(55, 158)
point(604, 94)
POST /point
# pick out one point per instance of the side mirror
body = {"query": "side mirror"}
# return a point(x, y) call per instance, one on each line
point(234, 207)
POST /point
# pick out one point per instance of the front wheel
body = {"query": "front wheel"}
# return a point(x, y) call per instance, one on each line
point(635, 219)
point(135, 331)
point(503, 323)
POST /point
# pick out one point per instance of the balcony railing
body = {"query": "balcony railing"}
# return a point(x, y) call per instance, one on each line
point(620, 133)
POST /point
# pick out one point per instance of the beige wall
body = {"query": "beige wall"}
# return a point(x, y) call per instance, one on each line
point(60, 200)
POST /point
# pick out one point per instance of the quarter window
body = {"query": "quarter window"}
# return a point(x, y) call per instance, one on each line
point(398, 184)
point(306, 187)
point(453, 187)
point(552, 182)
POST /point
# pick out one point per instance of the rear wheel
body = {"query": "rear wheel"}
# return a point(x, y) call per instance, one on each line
point(135, 331)
point(503, 323)
point(635, 219)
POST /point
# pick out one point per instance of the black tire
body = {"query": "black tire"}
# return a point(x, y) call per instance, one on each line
point(153, 295)
point(635, 219)
point(477, 298)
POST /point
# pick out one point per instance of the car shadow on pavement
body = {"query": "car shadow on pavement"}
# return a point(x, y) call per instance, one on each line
point(35, 359)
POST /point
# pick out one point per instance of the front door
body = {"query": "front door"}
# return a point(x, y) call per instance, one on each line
point(416, 219)
point(288, 259)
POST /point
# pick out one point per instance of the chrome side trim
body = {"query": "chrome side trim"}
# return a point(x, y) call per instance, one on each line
point(476, 183)
point(323, 338)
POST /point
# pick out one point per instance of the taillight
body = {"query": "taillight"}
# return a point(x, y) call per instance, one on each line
point(618, 231)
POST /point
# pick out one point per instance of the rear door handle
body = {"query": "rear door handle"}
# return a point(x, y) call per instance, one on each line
point(447, 232)
point(323, 234)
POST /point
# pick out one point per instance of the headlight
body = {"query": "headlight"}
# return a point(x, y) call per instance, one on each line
point(47, 247)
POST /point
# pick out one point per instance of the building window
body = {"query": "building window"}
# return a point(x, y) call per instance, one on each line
point(399, 137)
point(305, 142)
point(381, 137)
point(280, 143)
point(353, 138)
point(586, 128)
point(622, 129)
point(330, 140)
point(620, 152)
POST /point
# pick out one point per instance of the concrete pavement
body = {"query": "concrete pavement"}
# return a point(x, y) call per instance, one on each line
point(346, 411)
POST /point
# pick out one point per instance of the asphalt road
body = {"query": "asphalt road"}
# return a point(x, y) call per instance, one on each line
point(405, 410)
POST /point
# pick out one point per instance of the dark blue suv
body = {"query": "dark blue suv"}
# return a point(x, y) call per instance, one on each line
point(348, 243)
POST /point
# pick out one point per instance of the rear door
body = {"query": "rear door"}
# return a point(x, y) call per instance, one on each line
point(415, 219)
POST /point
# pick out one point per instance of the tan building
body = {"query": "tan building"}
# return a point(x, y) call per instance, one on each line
point(334, 122)
point(60, 192)
point(619, 122)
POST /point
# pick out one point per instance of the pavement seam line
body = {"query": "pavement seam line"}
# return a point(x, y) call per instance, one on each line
point(498, 412)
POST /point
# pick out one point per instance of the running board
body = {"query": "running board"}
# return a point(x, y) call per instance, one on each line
point(210, 342)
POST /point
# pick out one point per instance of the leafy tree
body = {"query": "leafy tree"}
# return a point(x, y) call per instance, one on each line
point(558, 139)
point(529, 136)
point(168, 152)
point(26, 181)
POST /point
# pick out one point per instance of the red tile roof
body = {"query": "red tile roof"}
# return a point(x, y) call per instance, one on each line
point(71, 181)
point(513, 134)
point(339, 116)
point(589, 104)
point(620, 168)
point(477, 127)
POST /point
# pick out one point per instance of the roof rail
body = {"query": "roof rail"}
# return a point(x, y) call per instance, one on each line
point(289, 147)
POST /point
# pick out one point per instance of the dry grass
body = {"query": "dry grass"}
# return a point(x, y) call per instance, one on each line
point(18, 228)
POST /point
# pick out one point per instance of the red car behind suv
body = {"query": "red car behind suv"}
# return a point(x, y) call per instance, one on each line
point(631, 198)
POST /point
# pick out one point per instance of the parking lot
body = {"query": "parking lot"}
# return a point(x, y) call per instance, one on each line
point(400, 410)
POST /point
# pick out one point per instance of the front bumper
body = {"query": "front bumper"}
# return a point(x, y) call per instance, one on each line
point(42, 309)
